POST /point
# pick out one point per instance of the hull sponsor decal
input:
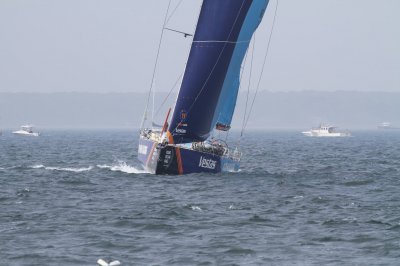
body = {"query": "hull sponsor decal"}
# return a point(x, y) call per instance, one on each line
point(207, 163)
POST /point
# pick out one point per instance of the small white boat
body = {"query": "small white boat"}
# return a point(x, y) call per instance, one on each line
point(26, 131)
point(386, 125)
point(325, 131)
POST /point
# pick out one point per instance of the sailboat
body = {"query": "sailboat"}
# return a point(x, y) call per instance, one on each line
point(207, 97)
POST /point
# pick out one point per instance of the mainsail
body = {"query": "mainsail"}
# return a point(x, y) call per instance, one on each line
point(210, 85)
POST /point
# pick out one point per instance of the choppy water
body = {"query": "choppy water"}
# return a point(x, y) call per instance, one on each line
point(69, 198)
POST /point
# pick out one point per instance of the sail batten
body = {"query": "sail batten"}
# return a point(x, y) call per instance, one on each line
point(210, 83)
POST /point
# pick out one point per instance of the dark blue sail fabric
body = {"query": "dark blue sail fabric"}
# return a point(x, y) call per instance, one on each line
point(219, 27)
point(227, 100)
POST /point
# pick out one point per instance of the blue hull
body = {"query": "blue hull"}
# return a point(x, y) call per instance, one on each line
point(173, 160)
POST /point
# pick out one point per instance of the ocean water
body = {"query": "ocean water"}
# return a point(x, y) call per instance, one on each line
point(72, 197)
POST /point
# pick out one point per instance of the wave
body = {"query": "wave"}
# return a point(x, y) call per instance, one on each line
point(123, 167)
point(117, 167)
point(70, 169)
point(37, 166)
point(64, 169)
point(193, 207)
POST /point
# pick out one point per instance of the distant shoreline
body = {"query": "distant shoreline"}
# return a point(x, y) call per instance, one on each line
point(272, 110)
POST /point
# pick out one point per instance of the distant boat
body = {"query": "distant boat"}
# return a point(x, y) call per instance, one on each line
point(325, 131)
point(26, 131)
point(386, 125)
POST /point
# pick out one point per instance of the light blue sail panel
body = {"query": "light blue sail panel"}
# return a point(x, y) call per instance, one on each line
point(227, 100)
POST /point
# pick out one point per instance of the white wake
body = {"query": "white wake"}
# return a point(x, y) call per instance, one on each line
point(70, 169)
point(37, 166)
point(65, 169)
point(123, 167)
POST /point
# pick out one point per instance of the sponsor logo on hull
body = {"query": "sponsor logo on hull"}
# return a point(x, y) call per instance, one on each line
point(207, 163)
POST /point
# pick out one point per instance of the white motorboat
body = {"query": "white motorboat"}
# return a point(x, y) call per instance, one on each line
point(26, 131)
point(325, 131)
point(386, 125)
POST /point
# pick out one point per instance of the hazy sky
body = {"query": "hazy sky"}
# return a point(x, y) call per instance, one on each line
point(110, 46)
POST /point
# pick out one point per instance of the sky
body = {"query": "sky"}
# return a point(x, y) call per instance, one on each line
point(110, 46)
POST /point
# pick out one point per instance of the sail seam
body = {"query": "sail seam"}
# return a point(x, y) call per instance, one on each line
point(221, 42)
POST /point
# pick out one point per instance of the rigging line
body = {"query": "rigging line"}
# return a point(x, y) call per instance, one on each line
point(188, 53)
point(215, 65)
point(243, 67)
point(169, 93)
point(173, 12)
point(181, 75)
point(227, 135)
point(265, 60)
point(155, 66)
point(249, 85)
point(152, 106)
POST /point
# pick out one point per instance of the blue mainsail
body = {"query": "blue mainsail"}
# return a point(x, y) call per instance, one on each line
point(210, 85)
